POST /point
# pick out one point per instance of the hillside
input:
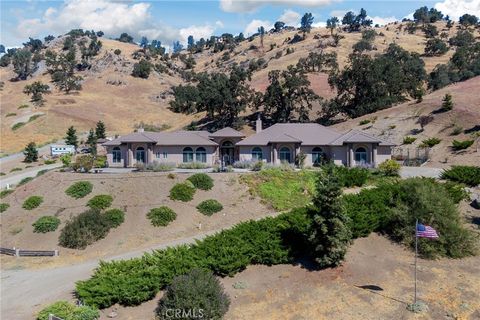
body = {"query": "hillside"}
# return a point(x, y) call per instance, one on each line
point(112, 95)
point(402, 120)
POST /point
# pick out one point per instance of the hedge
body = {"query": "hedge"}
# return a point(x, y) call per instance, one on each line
point(201, 181)
point(182, 191)
point(161, 216)
point(352, 177)
point(46, 224)
point(32, 202)
point(209, 207)
point(130, 282)
point(79, 189)
point(469, 175)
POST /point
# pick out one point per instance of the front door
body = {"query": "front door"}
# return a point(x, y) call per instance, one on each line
point(227, 153)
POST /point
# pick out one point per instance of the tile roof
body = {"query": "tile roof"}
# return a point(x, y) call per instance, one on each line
point(177, 138)
point(306, 133)
point(227, 132)
point(355, 136)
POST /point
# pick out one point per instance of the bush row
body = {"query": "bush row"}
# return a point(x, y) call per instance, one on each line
point(131, 282)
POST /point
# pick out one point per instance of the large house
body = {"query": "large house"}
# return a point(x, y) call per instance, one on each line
point(279, 143)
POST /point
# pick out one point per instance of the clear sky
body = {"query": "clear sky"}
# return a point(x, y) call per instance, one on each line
point(176, 20)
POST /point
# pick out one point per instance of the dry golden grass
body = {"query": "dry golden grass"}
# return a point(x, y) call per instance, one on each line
point(123, 106)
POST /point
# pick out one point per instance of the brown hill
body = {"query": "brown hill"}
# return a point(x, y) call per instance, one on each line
point(111, 94)
point(402, 120)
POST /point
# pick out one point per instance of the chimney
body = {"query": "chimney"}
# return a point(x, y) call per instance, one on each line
point(258, 124)
point(140, 129)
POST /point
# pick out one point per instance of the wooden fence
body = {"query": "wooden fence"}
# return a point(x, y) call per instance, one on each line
point(28, 253)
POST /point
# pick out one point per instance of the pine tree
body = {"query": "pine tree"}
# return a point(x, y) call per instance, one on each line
point(71, 137)
point(447, 103)
point(330, 235)
point(100, 130)
point(31, 153)
point(92, 141)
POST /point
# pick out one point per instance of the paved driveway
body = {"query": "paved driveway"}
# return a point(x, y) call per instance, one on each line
point(31, 172)
point(409, 172)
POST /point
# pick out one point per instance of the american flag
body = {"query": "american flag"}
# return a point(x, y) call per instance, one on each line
point(424, 231)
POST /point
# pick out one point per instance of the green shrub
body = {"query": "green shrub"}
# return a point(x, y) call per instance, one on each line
point(115, 217)
point(161, 216)
point(100, 201)
point(456, 191)
point(209, 207)
point(100, 162)
point(457, 130)
point(390, 168)
point(201, 181)
point(23, 106)
point(393, 209)
point(4, 207)
point(461, 145)
point(32, 202)
point(16, 169)
point(117, 51)
point(430, 142)
point(5, 193)
point(194, 291)
point(68, 311)
point(409, 140)
point(364, 122)
point(130, 282)
point(50, 161)
point(42, 172)
point(430, 203)
point(469, 175)
point(46, 224)
point(350, 177)
point(25, 180)
point(18, 125)
point(11, 114)
point(85, 229)
point(182, 191)
point(79, 189)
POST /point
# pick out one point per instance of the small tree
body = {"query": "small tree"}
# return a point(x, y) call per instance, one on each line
point(71, 137)
point(424, 120)
point(142, 69)
point(92, 142)
point(447, 102)
point(330, 234)
point(306, 23)
point(37, 89)
point(100, 130)
point(261, 31)
point(31, 153)
point(332, 23)
point(279, 25)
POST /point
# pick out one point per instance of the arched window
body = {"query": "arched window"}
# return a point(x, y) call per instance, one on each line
point(285, 154)
point(257, 154)
point(140, 154)
point(187, 154)
point(116, 155)
point(361, 155)
point(317, 155)
point(227, 144)
point(201, 154)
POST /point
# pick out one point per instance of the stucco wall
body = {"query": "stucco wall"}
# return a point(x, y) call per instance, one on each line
point(246, 153)
point(383, 153)
point(175, 153)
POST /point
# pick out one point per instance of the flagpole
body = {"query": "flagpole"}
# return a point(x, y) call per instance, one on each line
point(416, 253)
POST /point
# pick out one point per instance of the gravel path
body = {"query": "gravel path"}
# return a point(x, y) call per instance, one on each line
point(31, 172)
point(409, 172)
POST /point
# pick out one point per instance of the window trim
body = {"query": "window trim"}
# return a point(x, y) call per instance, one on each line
point(255, 152)
point(187, 152)
point(116, 151)
point(201, 155)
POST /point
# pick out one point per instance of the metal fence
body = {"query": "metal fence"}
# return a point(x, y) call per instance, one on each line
point(412, 157)
point(29, 253)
